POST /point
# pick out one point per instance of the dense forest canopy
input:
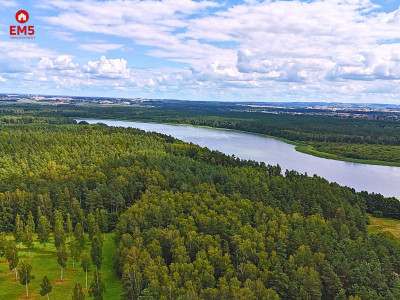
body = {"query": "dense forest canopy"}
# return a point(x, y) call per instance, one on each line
point(191, 223)
point(372, 141)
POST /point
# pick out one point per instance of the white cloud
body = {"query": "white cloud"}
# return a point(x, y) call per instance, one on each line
point(100, 47)
point(291, 49)
point(108, 68)
point(8, 3)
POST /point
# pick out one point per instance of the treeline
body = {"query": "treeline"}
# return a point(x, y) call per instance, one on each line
point(191, 223)
point(367, 140)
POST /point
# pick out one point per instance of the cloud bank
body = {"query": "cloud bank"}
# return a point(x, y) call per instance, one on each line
point(333, 50)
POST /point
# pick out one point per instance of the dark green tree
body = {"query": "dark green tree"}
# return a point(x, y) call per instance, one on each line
point(45, 287)
point(79, 235)
point(12, 257)
point(78, 292)
point(43, 230)
point(69, 227)
point(96, 251)
point(28, 239)
point(97, 287)
point(59, 234)
point(85, 264)
point(62, 258)
point(31, 221)
point(91, 225)
point(18, 229)
point(25, 275)
point(76, 250)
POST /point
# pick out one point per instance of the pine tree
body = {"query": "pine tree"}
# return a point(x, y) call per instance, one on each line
point(102, 220)
point(43, 230)
point(28, 239)
point(62, 258)
point(76, 250)
point(59, 234)
point(96, 252)
point(18, 229)
point(69, 227)
point(25, 275)
point(91, 223)
point(85, 264)
point(78, 293)
point(79, 235)
point(46, 287)
point(3, 244)
point(97, 287)
point(12, 257)
point(31, 221)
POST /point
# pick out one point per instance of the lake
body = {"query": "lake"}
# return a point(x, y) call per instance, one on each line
point(371, 178)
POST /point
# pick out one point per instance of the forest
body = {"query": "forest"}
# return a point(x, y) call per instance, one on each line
point(359, 140)
point(186, 222)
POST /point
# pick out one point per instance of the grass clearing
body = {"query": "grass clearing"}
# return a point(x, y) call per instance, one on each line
point(44, 262)
point(383, 224)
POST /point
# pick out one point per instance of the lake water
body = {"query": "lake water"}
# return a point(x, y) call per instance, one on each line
point(371, 178)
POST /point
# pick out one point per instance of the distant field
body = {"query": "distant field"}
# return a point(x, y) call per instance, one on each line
point(44, 262)
point(383, 224)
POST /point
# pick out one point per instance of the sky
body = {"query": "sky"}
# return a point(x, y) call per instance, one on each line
point(238, 50)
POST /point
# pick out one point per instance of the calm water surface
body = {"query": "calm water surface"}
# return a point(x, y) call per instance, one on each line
point(371, 178)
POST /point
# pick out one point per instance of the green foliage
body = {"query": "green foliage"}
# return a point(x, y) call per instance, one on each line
point(96, 251)
point(31, 221)
point(75, 250)
point(377, 214)
point(46, 287)
point(43, 230)
point(97, 287)
point(18, 229)
point(79, 235)
point(191, 223)
point(27, 238)
point(85, 264)
point(25, 275)
point(78, 292)
point(12, 256)
point(59, 234)
point(62, 258)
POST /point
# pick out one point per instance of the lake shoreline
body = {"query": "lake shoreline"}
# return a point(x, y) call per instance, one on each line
point(299, 147)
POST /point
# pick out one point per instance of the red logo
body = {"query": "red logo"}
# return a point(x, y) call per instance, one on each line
point(22, 16)
point(22, 32)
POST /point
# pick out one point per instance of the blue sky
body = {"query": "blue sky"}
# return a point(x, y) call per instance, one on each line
point(238, 50)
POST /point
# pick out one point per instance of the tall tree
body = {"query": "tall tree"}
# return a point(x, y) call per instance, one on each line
point(45, 287)
point(62, 258)
point(28, 239)
point(12, 257)
point(69, 226)
point(78, 292)
point(79, 235)
point(85, 264)
point(25, 275)
point(91, 224)
point(31, 221)
point(97, 287)
point(96, 251)
point(76, 250)
point(102, 220)
point(59, 234)
point(18, 229)
point(3, 244)
point(43, 230)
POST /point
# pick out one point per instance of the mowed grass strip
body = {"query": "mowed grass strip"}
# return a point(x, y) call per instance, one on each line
point(44, 262)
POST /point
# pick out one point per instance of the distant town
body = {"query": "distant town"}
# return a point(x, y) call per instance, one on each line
point(369, 111)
